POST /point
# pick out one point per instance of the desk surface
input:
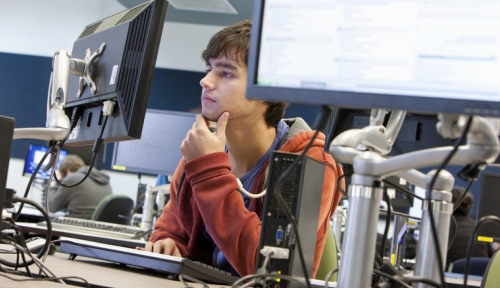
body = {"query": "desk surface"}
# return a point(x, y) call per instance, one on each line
point(101, 273)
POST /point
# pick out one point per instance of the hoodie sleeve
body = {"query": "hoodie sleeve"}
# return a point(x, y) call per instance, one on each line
point(168, 225)
point(234, 229)
point(58, 198)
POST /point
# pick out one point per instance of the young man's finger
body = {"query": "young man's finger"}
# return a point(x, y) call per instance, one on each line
point(222, 123)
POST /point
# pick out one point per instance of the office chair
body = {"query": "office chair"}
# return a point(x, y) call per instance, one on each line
point(491, 277)
point(114, 209)
point(329, 259)
point(477, 266)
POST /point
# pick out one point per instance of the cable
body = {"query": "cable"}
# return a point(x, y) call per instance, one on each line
point(282, 203)
point(397, 280)
point(43, 252)
point(329, 275)
point(429, 192)
point(96, 149)
point(480, 223)
point(455, 227)
point(30, 182)
point(268, 275)
point(414, 279)
point(403, 189)
point(182, 276)
point(47, 279)
point(387, 223)
point(459, 201)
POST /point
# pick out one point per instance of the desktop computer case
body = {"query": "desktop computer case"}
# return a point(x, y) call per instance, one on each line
point(301, 191)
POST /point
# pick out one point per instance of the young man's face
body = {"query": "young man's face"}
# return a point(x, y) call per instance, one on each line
point(224, 88)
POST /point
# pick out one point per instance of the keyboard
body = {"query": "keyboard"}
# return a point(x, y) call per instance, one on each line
point(96, 227)
point(171, 265)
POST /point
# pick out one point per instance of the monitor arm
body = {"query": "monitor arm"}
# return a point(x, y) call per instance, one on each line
point(375, 137)
point(365, 194)
point(57, 123)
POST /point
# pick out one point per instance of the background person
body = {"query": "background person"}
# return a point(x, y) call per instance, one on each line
point(464, 229)
point(79, 201)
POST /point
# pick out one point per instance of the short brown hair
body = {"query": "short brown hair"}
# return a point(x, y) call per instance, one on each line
point(72, 163)
point(465, 206)
point(233, 42)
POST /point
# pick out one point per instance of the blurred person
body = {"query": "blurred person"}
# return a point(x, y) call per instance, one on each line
point(464, 228)
point(79, 201)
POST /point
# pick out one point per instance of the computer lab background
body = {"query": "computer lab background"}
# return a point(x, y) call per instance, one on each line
point(32, 30)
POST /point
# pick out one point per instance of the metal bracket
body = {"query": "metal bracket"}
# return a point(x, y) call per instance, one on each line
point(85, 73)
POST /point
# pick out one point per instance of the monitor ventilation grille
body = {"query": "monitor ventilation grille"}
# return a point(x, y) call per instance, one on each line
point(89, 30)
point(217, 6)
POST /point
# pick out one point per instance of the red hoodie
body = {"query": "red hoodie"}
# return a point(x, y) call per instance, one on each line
point(210, 192)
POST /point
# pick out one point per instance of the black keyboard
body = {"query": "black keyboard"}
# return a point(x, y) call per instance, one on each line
point(171, 265)
point(96, 227)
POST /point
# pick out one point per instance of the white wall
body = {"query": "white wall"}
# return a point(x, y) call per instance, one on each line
point(121, 183)
point(40, 28)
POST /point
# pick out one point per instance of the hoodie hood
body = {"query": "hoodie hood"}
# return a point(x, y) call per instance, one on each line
point(96, 175)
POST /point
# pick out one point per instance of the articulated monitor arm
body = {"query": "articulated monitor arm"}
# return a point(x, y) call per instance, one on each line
point(365, 194)
point(375, 137)
point(57, 123)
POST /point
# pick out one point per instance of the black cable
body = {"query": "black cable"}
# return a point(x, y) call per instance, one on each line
point(340, 186)
point(282, 203)
point(321, 121)
point(26, 264)
point(46, 245)
point(96, 149)
point(457, 204)
point(395, 279)
point(48, 279)
point(30, 182)
point(455, 227)
point(387, 223)
point(472, 238)
point(268, 275)
point(429, 198)
point(403, 189)
point(418, 279)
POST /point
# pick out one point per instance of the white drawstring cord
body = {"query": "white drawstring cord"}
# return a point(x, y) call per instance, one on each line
point(242, 190)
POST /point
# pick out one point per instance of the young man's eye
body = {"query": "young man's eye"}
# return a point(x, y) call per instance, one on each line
point(225, 74)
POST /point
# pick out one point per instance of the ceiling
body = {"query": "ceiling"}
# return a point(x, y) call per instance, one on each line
point(243, 7)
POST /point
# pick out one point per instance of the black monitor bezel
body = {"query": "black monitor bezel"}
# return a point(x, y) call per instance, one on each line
point(353, 100)
point(146, 169)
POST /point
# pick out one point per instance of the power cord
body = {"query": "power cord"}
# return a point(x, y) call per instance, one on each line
point(108, 107)
point(480, 223)
point(429, 192)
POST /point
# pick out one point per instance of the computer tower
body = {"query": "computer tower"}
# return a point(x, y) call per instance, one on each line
point(488, 205)
point(301, 191)
point(6, 135)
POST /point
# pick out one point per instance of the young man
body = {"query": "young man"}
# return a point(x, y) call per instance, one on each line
point(207, 218)
point(79, 201)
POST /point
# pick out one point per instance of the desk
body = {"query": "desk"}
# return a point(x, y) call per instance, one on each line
point(101, 273)
point(29, 214)
point(56, 233)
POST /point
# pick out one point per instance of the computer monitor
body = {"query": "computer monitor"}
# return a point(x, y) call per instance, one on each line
point(420, 56)
point(123, 73)
point(34, 154)
point(6, 135)
point(158, 150)
point(488, 205)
